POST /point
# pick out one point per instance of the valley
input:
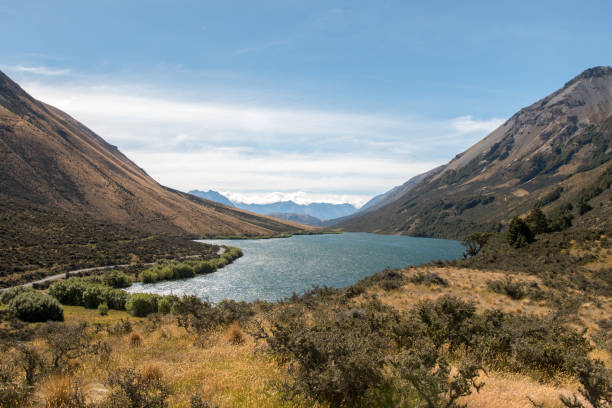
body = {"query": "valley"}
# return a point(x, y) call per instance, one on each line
point(376, 309)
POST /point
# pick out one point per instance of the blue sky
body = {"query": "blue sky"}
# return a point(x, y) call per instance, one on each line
point(338, 100)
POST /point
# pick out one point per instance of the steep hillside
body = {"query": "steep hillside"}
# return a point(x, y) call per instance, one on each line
point(549, 154)
point(48, 158)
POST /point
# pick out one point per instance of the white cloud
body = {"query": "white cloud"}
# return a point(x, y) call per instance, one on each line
point(255, 150)
point(467, 124)
point(47, 71)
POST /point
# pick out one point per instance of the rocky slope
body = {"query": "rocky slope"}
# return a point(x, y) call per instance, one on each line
point(48, 158)
point(545, 155)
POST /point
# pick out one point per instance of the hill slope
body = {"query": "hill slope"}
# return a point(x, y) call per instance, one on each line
point(48, 158)
point(545, 155)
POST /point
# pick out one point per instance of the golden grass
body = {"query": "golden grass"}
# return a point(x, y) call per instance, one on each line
point(230, 371)
point(467, 284)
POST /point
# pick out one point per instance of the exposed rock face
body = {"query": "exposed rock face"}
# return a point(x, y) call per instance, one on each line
point(562, 141)
point(49, 158)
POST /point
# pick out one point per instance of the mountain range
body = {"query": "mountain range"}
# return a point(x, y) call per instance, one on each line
point(554, 154)
point(51, 160)
point(310, 214)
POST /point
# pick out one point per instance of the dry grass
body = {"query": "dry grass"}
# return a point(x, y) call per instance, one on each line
point(466, 284)
point(229, 371)
point(234, 334)
point(135, 339)
point(511, 391)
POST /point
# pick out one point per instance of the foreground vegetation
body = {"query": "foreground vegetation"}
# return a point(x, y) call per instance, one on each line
point(439, 335)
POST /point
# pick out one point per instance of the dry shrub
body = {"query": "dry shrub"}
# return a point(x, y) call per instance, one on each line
point(62, 392)
point(152, 373)
point(135, 339)
point(234, 334)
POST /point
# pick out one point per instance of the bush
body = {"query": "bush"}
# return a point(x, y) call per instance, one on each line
point(103, 309)
point(142, 304)
point(117, 280)
point(33, 306)
point(10, 293)
point(134, 389)
point(513, 288)
point(519, 233)
point(164, 306)
point(87, 292)
point(428, 278)
point(337, 360)
point(537, 221)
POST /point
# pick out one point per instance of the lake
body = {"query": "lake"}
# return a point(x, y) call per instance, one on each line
point(272, 269)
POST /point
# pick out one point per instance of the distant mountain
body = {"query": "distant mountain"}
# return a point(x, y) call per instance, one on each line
point(321, 211)
point(300, 218)
point(212, 196)
point(554, 154)
point(50, 159)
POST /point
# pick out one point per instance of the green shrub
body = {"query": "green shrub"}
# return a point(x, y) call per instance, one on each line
point(34, 306)
point(136, 389)
point(102, 309)
point(519, 233)
point(10, 293)
point(142, 304)
point(337, 360)
point(87, 292)
point(117, 279)
point(164, 305)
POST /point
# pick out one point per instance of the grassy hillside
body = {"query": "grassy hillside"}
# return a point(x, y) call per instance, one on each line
point(36, 241)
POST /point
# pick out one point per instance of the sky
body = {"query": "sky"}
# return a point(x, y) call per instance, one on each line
point(331, 101)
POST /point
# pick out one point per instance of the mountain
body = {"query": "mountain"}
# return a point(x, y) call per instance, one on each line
point(300, 218)
point(50, 159)
point(321, 211)
point(395, 193)
point(212, 195)
point(550, 154)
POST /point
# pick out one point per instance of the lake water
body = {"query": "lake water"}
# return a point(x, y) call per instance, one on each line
point(272, 269)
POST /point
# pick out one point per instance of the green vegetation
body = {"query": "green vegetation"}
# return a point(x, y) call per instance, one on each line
point(34, 306)
point(142, 304)
point(171, 270)
point(88, 292)
point(519, 233)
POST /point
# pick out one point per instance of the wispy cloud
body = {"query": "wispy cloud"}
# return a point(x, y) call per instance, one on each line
point(255, 149)
point(46, 71)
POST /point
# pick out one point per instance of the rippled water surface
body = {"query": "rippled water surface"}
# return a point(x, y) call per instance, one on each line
point(272, 269)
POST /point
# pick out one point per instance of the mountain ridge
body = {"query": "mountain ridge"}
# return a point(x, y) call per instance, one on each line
point(319, 210)
point(50, 158)
point(561, 141)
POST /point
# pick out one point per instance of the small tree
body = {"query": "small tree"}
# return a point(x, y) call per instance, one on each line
point(519, 233)
point(537, 221)
point(474, 243)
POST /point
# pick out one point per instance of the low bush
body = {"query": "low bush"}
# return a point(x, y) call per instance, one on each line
point(34, 306)
point(117, 280)
point(10, 293)
point(515, 289)
point(171, 270)
point(88, 292)
point(428, 278)
point(103, 309)
point(135, 389)
point(142, 304)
